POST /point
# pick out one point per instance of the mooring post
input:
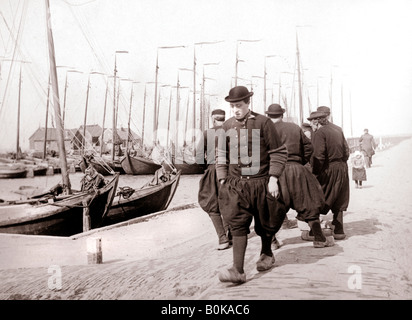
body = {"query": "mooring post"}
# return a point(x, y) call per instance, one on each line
point(94, 250)
point(86, 216)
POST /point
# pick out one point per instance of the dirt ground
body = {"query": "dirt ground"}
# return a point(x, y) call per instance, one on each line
point(173, 255)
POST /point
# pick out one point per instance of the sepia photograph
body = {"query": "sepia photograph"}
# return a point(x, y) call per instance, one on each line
point(218, 151)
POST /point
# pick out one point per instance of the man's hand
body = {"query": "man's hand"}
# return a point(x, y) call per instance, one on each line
point(273, 187)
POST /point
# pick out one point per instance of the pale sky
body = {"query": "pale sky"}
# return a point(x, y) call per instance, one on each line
point(364, 46)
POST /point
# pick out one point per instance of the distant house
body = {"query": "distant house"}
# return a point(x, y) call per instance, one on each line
point(73, 138)
point(122, 134)
point(91, 139)
point(121, 138)
point(36, 140)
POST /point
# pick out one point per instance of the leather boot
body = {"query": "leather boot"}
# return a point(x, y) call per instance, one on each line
point(220, 231)
point(337, 223)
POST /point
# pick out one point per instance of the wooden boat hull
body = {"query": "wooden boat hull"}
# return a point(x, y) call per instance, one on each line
point(10, 172)
point(63, 217)
point(40, 171)
point(103, 166)
point(143, 201)
point(187, 168)
point(138, 165)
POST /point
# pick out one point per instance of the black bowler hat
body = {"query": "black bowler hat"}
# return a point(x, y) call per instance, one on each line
point(218, 112)
point(316, 115)
point(238, 93)
point(324, 109)
point(275, 109)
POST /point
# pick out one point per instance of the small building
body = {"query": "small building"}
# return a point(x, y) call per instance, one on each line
point(121, 138)
point(36, 140)
point(74, 141)
point(90, 140)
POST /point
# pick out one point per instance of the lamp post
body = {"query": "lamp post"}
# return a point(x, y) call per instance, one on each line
point(331, 91)
point(130, 113)
point(85, 111)
point(194, 75)
point(237, 56)
point(194, 96)
point(104, 117)
point(144, 110)
point(202, 100)
point(264, 79)
point(280, 91)
point(156, 82)
point(18, 151)
point(260, 77)
point(65, 93)
point(157, 117)
point(317, 89)
point(114, 101)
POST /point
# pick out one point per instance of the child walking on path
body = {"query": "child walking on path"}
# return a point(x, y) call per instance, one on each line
point(358, 168)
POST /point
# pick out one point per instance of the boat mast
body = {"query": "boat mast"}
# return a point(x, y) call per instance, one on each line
point(104, 118)
point(341, 110)
point(177, 114)
point(168, 118)
point(47, 117)
point(85, 115)
point(56, 104)
point(114, 109)
point(130, 115)
point(143, 116)
point(18, 153)
point(299, 81)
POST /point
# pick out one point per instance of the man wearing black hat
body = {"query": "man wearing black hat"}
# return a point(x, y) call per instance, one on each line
point(329, 164)
point(300, 189)
point(249, 163)
point(209, 185)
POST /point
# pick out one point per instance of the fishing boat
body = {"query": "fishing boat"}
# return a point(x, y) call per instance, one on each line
point(189, 168)
point(61, 215)
point(36, 170)
point(62, 211)
point(138, 165)
point(152, 197)
point(11, 171)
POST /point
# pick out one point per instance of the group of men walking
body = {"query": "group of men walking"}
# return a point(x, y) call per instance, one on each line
point(261, 168)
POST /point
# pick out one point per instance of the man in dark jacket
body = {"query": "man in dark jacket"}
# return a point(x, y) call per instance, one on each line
point(368, 146)
point(209, 186)
point(250, 160)
point(329, 164)
point(300, 189)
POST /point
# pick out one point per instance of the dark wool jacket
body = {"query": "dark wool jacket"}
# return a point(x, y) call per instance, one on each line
point(238, 156)
point(329, 145)
point(299, 146)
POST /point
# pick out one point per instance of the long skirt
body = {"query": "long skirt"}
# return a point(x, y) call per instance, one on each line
point(359, 174)
point(335, 185)
point(301, 191)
